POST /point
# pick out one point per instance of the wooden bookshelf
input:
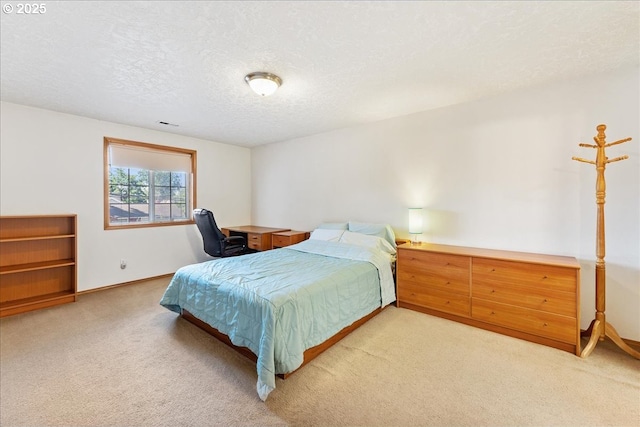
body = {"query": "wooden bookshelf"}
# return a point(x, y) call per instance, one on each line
point(38, 266)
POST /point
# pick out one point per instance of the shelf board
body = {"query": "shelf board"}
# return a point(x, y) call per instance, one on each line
point(28, 238)
point(36, 299)
point(9, 269)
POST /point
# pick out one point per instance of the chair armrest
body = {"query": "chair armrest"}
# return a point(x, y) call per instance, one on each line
point(238, 240)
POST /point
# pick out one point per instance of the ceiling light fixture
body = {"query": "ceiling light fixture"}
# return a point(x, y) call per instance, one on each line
point(263, 84)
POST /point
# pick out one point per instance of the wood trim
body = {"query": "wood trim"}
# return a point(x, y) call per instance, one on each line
point(309, 354)
point(632, 343)
point(118, 285)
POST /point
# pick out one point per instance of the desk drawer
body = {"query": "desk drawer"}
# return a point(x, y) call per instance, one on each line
point(280, 241)
point(257, 241)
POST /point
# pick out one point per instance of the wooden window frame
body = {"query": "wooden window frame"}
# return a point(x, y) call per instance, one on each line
point(193, 183)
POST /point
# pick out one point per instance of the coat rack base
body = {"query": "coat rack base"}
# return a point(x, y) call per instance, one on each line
point(598, 330)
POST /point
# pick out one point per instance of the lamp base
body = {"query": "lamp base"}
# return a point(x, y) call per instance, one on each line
point(415, 241)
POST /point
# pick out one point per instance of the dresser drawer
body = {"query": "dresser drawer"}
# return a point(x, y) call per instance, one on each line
point(493, 272)
point(537, 298)
point(418, 294)
point(536, 322)
point(449, 273)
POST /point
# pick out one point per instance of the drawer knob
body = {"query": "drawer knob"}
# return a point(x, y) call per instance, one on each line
point(493, 269)
point(544, 277)
point(545, 300)
point(544, 324)
point(493, 312)
point(493, 291)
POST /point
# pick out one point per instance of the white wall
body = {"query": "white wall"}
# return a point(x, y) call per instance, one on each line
point(495, 173)
point(53, 163)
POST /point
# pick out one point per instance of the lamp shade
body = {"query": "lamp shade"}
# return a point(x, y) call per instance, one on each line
point(264, 84)
point(415, 220)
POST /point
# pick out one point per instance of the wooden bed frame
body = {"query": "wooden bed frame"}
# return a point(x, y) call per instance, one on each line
point(309, 354)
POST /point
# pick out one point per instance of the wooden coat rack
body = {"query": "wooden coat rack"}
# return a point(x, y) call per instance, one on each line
point(599, 327)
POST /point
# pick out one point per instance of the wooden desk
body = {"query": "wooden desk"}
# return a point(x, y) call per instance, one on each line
point(258, 238)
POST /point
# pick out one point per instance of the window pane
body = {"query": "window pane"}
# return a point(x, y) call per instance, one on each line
point(139, 177)
point(118, 213)
point(138, 194)
point(179, 195)
point(139, 212)
point(178, 211)
point(162, 194)
point(118, 194)
point(118, 176)
point(178, 179)
point(162, 212)
point(162, 178)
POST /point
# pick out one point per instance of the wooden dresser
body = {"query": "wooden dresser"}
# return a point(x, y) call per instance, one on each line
point(529, 296)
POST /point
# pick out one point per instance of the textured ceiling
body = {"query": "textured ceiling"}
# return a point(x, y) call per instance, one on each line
point(342, 63)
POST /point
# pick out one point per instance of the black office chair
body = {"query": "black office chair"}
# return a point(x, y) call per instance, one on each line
point(215, 242)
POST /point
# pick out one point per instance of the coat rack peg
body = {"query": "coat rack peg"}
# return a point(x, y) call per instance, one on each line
point(618, 142)
point(617, 159)
point(580, 159)
point(599, 328)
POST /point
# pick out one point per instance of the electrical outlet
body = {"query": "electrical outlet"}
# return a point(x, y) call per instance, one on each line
point(123, 264)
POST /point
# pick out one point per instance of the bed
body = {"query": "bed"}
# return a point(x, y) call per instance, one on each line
point(284, 305)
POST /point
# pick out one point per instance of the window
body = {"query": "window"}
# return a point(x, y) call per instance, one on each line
point(147, 184)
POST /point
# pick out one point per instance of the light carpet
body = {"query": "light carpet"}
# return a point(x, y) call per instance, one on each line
point(117, 358)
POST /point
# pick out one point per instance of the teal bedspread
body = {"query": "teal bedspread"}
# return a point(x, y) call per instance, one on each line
point(281, 302)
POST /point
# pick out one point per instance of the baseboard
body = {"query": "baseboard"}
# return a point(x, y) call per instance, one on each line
point(632, 343)
point(133, 282)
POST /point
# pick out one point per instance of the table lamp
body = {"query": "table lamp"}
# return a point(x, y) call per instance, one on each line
point(415, 224)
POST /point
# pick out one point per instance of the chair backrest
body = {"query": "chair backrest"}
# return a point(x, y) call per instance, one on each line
point(212, 237)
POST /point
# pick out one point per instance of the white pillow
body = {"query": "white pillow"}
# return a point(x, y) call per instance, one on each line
point(381, 230)
point(368, 241)
point(327, 234)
